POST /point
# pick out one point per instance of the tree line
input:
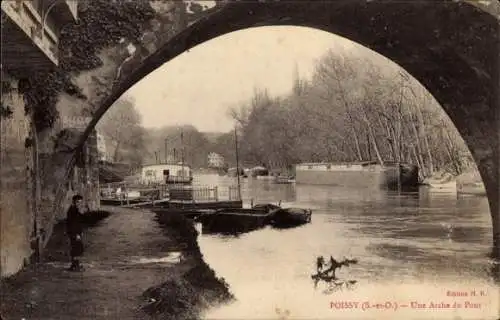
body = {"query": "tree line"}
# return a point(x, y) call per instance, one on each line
point(127, 141)
point(352, 109)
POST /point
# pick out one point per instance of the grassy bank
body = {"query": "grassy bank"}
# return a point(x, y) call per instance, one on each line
point(197, 289)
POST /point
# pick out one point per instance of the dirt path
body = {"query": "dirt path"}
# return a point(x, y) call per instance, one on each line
point(114, 279)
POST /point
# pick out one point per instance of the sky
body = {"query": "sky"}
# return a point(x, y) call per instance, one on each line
point(199, 86)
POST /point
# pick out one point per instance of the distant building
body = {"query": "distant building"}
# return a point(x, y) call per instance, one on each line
point(215, 160)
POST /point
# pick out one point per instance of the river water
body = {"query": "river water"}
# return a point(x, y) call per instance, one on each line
point(416, 251)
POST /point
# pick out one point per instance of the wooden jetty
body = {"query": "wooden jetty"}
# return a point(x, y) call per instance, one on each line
point(195, 209)
point(126, 194)
point(178, 197)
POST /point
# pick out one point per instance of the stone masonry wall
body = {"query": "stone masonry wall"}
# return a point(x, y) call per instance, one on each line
point(17, 185)
point(16, 221)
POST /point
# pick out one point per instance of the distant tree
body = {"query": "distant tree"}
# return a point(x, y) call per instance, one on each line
point(352, 109)
point(177, 143)
point(225, 146)
point(122, 129)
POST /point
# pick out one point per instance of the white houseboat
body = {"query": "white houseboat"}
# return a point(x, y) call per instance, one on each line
point(164, 173)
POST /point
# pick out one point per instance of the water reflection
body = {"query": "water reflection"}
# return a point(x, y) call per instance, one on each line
point(410, 246)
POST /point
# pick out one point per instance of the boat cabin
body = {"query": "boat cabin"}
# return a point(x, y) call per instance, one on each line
point(166, 173)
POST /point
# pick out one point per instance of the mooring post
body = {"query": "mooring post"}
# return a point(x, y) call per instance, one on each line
point(237, 163)
point(399, 177)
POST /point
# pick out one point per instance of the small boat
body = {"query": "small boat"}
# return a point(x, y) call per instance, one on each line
point(237, 220)
point(475, 188)
point(259, 171)
point(267, 207)
point(450, 186)
point(190, 213)
point(232, 172)
point(284, 179)
point(290, 217)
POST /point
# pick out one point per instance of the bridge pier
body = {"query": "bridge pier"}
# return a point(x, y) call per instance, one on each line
point(495, 251)
point(489, 168)
point(493, 198)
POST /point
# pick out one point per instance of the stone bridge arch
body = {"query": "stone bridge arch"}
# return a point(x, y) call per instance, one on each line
point(451, 47)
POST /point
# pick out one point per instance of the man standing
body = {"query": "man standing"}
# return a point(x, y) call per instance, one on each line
point(74, 230)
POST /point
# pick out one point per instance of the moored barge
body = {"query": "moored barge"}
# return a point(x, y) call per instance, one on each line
point(390, 175)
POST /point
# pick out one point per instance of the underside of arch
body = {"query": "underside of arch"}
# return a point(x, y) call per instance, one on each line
point(451, 47)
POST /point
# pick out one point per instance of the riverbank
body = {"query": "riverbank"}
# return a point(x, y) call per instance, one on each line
point(138, 266)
